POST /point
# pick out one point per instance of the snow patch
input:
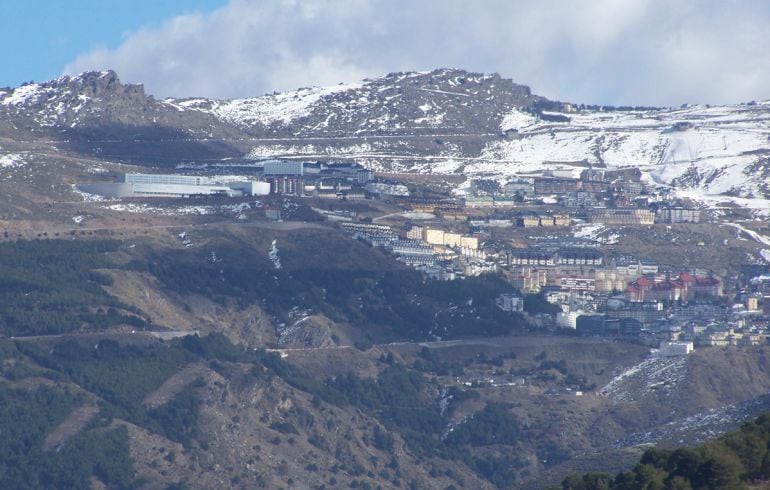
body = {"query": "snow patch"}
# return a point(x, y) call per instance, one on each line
point(273, 254)
point(165, 211)
point(415, 215)
point(598, 233)
point(280, 108)
point(650, 375)
point(89, 197)
point(11, 160)
point(753, 234)
point(22, 95)
point(518, 120)
point(702, 426)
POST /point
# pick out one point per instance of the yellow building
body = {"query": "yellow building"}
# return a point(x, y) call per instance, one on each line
point(470, 242)
point(752, 303)
point(452, 239)
point(561, 220)
point(434, 237)
point(530, 221)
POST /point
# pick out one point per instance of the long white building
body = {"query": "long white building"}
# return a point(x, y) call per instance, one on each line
point(172, 185)
point(169, 179)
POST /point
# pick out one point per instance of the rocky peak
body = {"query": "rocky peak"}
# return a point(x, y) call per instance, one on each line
point(455, 79)
point(71, 100)
point(99, 84)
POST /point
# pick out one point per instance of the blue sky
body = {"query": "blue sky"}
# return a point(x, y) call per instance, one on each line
point(42, 36)
point(622, 52)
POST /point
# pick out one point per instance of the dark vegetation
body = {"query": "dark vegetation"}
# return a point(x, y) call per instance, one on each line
point(493, 425)
point(51, 287)
point(57, 286)
point(430, 362)
point(402, 400)
point(121, 376)
point(26, 416)
point(536, 303)
point(420, 309)
point(397, 397)
point(739, 459)
point(399, 299)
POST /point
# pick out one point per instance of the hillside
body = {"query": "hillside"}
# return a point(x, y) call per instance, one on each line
point(474, 412)
point(735, 460)
point(204, 413)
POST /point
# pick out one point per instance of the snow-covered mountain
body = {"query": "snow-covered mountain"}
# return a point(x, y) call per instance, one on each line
point(703, 151)
point(412, 114)
point(444, 121)
point(399, 103)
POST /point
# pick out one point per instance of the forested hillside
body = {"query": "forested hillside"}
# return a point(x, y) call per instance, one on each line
point(740, 459)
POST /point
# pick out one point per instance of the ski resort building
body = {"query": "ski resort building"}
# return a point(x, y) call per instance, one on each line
point(172, 185)
point(555, 186)
point(529, 256)
point(621, 216)
point(684, 288)
point(679, 215)
point(441, 237)
point(674, 349)
point(286, 185)
point(283, 168)
point(510, 302)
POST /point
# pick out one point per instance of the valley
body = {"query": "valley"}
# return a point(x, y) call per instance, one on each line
point(452, 282)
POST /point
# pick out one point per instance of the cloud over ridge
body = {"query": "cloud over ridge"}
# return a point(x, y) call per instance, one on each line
point(651, 52)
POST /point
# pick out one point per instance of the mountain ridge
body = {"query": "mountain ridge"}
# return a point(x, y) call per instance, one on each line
point(446, 121)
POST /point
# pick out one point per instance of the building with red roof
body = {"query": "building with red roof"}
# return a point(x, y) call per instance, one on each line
point(686, 287)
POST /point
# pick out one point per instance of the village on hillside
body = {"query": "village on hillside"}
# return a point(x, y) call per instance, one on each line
point(556, 235)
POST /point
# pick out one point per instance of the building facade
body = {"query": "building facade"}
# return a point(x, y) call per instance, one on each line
point(283, 167)
point(679, 215)
point(173, 185)
point(621, 216)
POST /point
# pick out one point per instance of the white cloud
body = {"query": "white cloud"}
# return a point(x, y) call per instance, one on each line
point(660, 52)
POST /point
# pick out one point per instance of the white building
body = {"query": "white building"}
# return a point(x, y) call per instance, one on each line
point(283, 167)
point(169, 179)
point(568, 319)
point(679, 215)
point(415, 233)
point(411, 247)
point(510, 302)
point(364, 176)
point(171, 185)
point(441, 237)
point(674, 349)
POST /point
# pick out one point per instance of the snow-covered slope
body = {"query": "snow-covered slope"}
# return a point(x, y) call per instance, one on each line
point(453, 101)
point(281, 108)
point(706, 150)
